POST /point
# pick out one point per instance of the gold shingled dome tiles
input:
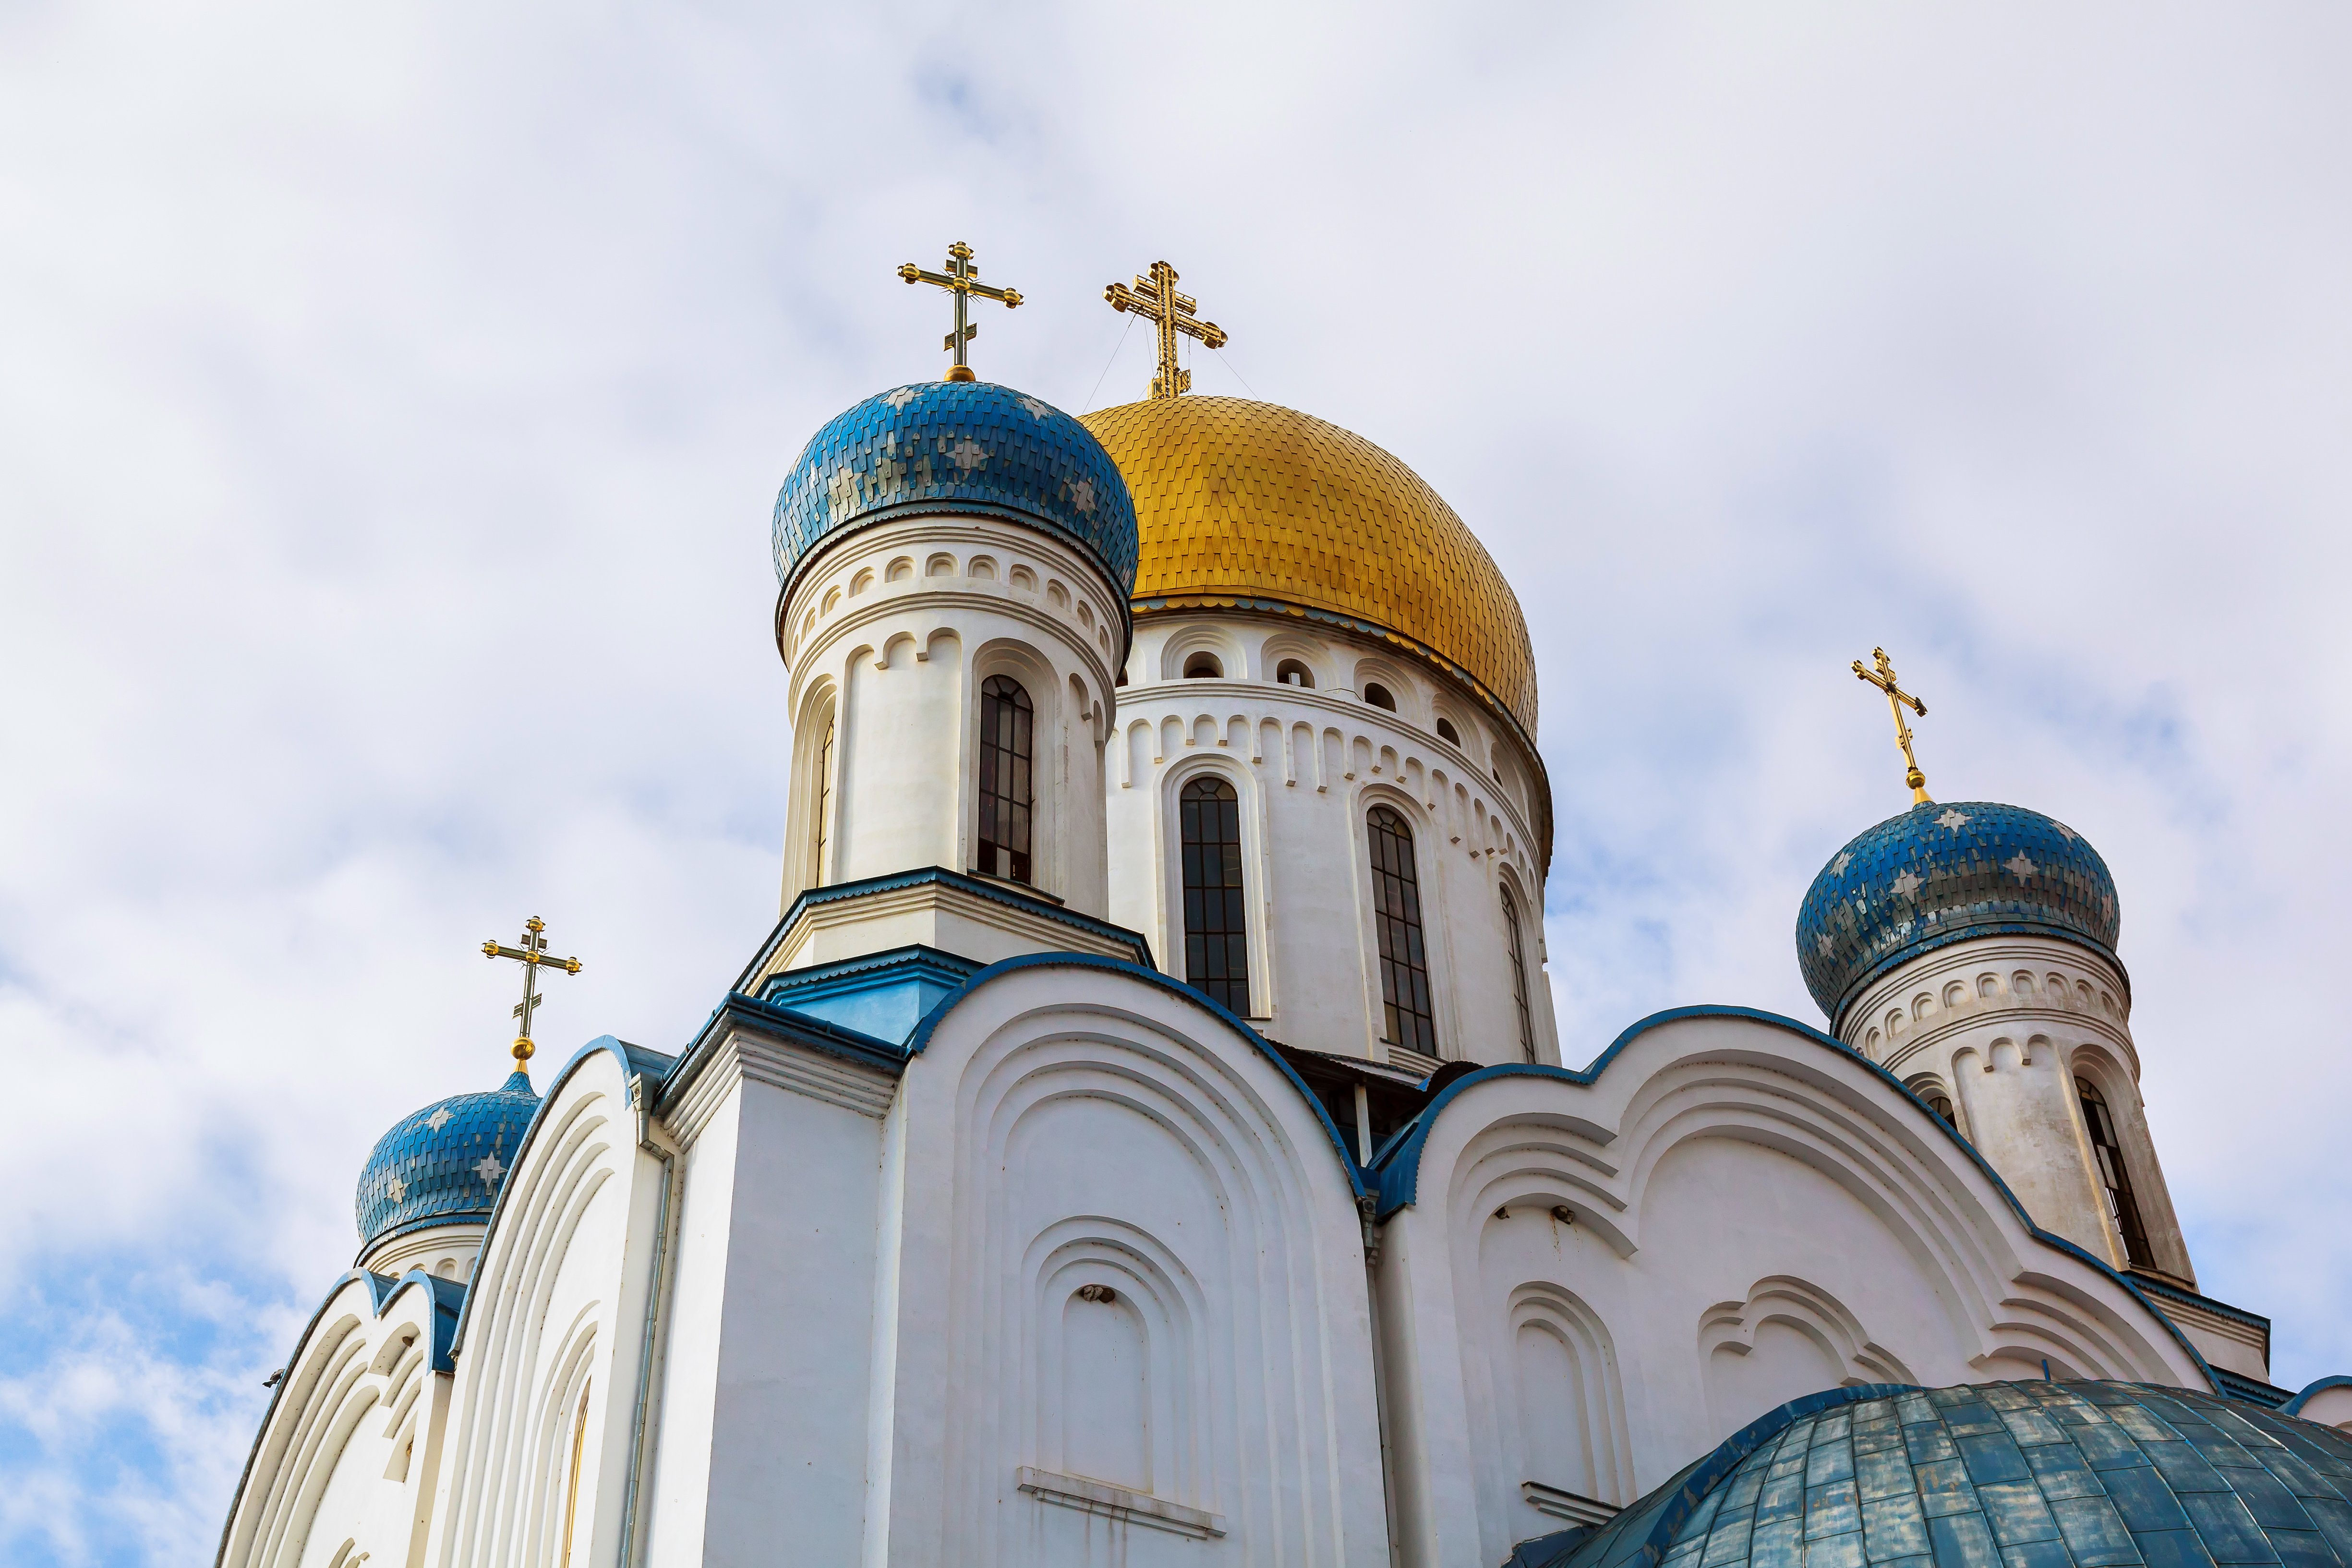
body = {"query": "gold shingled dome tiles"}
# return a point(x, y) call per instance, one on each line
point(1246, 500)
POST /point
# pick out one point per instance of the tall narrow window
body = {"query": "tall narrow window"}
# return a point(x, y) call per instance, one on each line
point(2123, 1210)
point(823, 840)
point(1518, 975)
point(1006, 720)
point(571, 1491)
point(1396, 912)
point(1216, 935)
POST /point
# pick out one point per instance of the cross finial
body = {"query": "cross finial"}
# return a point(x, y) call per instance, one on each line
point(1897, 700)
point(1156, 300)
point(960, 279)
point(533, 956)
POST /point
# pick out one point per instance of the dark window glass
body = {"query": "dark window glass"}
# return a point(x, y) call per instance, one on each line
point(2122, 1208)
point(1378, 695)
point(1204, 666)
point(1006, 720)
point(1445, 731)
point(1216, 935)
point(1518, 975)
point(824, 806)
point(1396, 912)
point(1941, 1104)
point(1290, 672)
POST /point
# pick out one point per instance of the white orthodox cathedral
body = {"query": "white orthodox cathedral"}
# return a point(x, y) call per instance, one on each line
point(1144, 1140)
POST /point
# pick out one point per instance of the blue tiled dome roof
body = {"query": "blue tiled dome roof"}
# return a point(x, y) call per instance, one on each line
point(1941, 872)
point(446, 1161)
point(2001, 1475)
point(958, 446)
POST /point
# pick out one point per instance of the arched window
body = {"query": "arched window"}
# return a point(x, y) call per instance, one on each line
point(821, 840)
point(1204, 666)
point(1006, 720)
point(1518, 974)
point(1446, 733)
point(2123, 1210)
point(1941, 1104)
point(1378, 695)
point(572, 1490)
point(1290, 672)
point(1216, 935)
point(1396, 912)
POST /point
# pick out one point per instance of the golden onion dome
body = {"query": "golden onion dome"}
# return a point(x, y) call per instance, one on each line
point(1260, 507)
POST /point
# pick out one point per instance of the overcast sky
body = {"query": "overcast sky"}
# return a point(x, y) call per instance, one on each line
point(392, 399)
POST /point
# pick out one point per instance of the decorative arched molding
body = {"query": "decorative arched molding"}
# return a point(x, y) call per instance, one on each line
point(1599, 1446)
point(1114, 1129)
point(373, 1349)
point(1311, 651)
point(1812, 1311)
point(1203, 637)
point(1412, 699)
point(1908, 1216)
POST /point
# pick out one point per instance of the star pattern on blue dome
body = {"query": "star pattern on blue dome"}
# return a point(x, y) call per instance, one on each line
point(1938, 874)
point(444, 1162)
point(956, 448)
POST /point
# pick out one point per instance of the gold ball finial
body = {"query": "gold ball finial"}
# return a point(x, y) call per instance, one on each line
point(523, 1052)
point(961, 372)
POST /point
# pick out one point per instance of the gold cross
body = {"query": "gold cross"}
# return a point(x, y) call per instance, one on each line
point(960, 279)
point(1883, 678)
point(1156, 300)
point(532, 955)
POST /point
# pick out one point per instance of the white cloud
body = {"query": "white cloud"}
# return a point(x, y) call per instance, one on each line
point(394, 398)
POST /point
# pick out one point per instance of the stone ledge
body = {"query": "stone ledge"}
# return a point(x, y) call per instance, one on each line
point(1117, 1502)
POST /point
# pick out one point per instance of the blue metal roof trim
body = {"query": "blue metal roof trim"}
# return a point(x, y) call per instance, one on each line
point(2318, 1385)
point(930, 1025)
point(1397, 1165)
point(1010, 896)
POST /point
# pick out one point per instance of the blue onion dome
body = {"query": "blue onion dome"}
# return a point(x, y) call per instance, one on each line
point(445, 1163)
point(1938, 874)
point(2052, 1473)
point(957, 447)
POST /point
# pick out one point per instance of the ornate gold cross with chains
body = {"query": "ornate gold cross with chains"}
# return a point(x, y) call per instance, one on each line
point(1898, 698)
point(533, 956)
point(961, 280)
point(1156, 300)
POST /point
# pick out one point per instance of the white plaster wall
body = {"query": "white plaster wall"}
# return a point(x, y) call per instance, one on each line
point(1070, 1128)
point(2004, 1024)
point(1750, 1214)
point(1307, 766)
point(890, 631)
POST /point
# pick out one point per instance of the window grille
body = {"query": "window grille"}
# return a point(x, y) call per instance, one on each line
point(2123, 1209)
point(1216, 932)
point(1518, 975)
point(1006, 722)
point(1396, 912)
